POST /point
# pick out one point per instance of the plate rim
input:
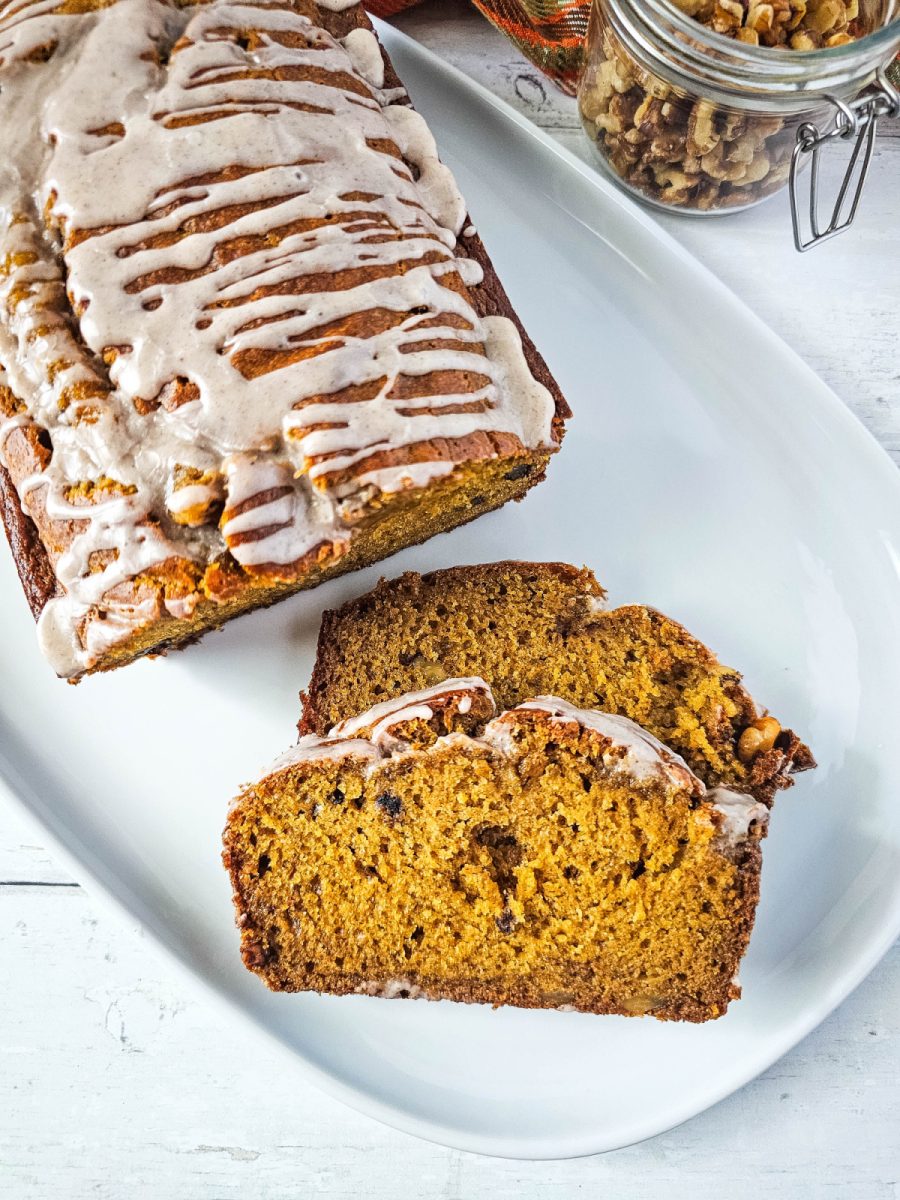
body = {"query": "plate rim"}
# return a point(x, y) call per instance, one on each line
point(107, 895)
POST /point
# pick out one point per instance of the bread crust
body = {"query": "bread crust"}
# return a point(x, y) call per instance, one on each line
point(28, 551)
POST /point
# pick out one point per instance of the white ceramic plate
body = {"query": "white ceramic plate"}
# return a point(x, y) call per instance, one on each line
point(707, 471)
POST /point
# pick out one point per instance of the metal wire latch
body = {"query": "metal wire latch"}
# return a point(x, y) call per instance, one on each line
point(857, 120)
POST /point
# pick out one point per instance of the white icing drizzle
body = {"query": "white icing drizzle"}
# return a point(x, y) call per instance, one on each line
point(312, 748)
point(193, 495)
point(16, 421)
point(25, 27)
point(411, 475)
point(365, 52)
point(738, 813)
point(392, 989)
point(644, 755)
point(280, 399)
point(369, 737)
point(377, 722)
point(436, 187)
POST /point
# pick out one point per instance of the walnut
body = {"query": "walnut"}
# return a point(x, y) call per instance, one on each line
point(742, 151)
point(758, 738)
point(827, 16)
point(666, 148)
point(593, 103)
point(805, 39)
point(676, 186)
point(716, 166)
point(796, 13)
point(700, 10)
point(609, 122)
point(728, 16)
point(757, 169)
point(760, 18)
point(701, 129)
point(623, 107)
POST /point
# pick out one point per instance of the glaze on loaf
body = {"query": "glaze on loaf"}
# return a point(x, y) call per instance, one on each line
point(245, 343)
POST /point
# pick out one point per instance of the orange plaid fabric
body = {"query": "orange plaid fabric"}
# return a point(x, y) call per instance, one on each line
point(549, 32)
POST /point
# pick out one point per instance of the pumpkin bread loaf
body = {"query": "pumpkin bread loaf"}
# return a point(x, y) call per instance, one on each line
point(550, 857)
point(542, 628)
point(248, 338)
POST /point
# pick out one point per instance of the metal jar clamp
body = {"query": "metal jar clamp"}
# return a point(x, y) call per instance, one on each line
point(857, 120)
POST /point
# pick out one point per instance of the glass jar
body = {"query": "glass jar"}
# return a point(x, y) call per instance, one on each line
point(703, 107)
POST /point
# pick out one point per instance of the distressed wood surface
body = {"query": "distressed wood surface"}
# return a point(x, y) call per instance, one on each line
point(116, 1083)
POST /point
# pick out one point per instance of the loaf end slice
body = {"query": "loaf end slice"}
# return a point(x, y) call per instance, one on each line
point(531, 628)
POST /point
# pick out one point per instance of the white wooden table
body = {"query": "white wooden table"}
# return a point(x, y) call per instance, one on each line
point(115, 1083)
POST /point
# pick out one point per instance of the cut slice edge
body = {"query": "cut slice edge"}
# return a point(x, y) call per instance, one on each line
point(548, 857)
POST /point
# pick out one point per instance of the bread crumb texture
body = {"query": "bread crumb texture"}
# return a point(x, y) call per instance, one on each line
point(541, 629)
point(526, 865)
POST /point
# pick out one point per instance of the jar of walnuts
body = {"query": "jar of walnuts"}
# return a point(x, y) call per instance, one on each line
point(704, 105)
